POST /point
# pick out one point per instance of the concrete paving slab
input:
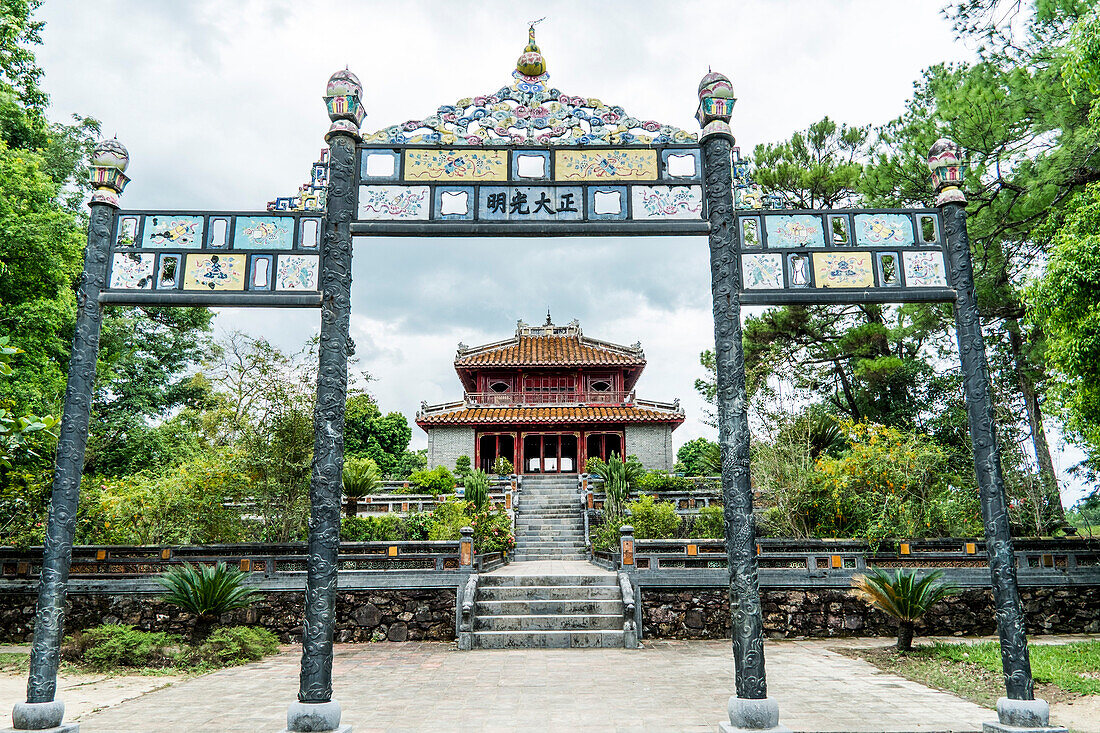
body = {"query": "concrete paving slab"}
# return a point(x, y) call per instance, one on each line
point(668, 686)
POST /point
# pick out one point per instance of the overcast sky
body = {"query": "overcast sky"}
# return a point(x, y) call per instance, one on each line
point(220, 106)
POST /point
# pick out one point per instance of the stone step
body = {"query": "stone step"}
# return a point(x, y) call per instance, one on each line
point(543, 555)
point(489, 580)
point(547, 639)
point(549, 606)
point(549, 622)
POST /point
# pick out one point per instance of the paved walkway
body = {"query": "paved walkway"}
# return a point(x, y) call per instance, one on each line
point(668, 686)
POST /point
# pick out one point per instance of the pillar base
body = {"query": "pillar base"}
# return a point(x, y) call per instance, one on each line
point(753, 716)
point(1022, 716)
point(41, 717)
point(314, 717)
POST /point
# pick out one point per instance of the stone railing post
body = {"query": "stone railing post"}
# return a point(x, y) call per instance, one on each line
point(751, 709)
point(42, 711)
point(466, 547)
point(315, 709)
point(1019, 711)
point(626, 546)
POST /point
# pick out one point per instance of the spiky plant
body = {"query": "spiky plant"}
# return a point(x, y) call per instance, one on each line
point(476, 484)
point(361, 477)
point(207, 591)
point(905, 596)
point(618, 477)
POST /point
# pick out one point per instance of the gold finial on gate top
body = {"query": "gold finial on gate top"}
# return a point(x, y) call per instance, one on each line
point(531, 62)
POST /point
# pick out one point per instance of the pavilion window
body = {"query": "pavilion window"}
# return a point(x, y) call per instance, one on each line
point(603, 445)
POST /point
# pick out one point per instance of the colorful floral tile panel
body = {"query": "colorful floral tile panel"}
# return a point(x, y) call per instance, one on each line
point(667, 202)
point(394, 203)
point(894, 230)
point(132, 271)
point(177, 232)
point(297, 272)
point(794, 230)
point(605, 165)
point(264, 232)
point(843, 270)
point(762, 271)
point(924, 269)
point(214, 272)
point(456, 165)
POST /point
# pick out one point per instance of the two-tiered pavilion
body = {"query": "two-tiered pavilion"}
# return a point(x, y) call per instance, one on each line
point(548, 399)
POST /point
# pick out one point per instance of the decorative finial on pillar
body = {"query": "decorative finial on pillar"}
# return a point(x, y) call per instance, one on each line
point(716, 102)
point(108, 171)
point(945, 163)
point(343, 97)
point(548, 321)
point(530, 73)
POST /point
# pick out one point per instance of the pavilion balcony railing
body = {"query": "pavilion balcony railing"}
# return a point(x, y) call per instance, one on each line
point(549, 398)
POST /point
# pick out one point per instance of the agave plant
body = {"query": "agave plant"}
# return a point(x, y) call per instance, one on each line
point(207, 591)
point(361, 477)
point(618, 478)
point(476, 484)
point(904, 595)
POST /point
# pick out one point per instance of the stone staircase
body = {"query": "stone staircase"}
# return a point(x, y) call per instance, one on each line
point(549, 519)
point(519, 606)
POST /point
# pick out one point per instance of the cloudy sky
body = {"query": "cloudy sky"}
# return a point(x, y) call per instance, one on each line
point(220, 106)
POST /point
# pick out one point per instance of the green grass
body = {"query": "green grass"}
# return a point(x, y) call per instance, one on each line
point(973, 671)
point(1073, 667)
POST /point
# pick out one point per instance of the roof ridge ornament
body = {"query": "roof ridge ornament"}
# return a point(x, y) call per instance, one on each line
point(530, 112)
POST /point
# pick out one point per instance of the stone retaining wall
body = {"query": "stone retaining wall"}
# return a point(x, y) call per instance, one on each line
point(703, 613)
point(362, 615)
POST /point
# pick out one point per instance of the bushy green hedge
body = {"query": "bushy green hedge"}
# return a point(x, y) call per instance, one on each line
point(436, 481)
point(112, 646)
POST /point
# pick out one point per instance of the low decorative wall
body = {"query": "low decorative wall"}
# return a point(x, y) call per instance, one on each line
point(361, 615)
point(703, 613)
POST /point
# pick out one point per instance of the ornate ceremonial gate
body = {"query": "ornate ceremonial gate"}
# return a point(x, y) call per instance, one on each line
point(525, 161)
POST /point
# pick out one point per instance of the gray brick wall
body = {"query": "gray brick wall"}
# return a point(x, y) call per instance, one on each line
point(652, 444)
point(445, 445)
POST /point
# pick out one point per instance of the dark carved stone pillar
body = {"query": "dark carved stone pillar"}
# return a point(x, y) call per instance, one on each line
point(109, 162)
point(987, 458)
point(316, 710)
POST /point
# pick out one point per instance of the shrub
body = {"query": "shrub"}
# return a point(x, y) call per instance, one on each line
point(378, 528)
point(594, 466)
point(709, 523)
point(904, 596)
point(659, 481)
point(476, 486)
point(605, 536)
point(416, 525)
point(448, 518)
point(653, 520)
point(207, 591)
point(437, 481)
point(234, 645)
point(462, 467)
point(111, 645)
point(502, 466)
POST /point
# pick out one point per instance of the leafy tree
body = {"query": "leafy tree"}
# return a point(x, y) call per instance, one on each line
point(692, 456)
point(819, 167)
point(1065, 305)
point(382, 438)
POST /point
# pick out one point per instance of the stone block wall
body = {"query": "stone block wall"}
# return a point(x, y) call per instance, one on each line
point(703, 613)
point(361, 615)
point(652, 444)
point(445, 445)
